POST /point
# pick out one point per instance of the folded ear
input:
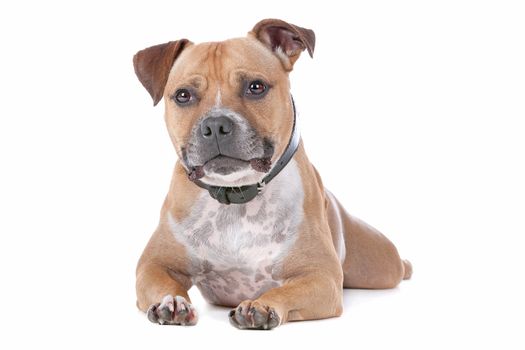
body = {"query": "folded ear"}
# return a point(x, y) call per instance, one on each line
point(285, 39)
point(153, 65)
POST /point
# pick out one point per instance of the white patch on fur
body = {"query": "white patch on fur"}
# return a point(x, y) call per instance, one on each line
point(244, 177)
point(236, 251)
point(284, 57)
point(280, 52)
point(218, 101)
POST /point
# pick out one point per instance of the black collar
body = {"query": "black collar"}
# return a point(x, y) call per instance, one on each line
point(244, 194)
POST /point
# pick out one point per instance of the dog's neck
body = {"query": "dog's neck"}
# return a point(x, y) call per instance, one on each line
point(244, 194)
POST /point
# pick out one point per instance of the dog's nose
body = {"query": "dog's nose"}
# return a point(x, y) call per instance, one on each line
point(220, 127)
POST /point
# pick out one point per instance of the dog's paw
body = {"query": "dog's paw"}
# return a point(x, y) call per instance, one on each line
point(254, 315)
point(173, 310)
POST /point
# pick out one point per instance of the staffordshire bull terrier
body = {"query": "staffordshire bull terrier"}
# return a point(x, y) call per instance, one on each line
point(247, 219)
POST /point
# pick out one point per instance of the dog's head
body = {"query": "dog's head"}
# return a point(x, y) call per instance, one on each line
point(227, 104)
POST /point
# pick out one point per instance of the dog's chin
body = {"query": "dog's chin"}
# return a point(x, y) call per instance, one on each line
point(230, 172)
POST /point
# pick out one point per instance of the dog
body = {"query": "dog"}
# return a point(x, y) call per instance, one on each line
point(247, 219)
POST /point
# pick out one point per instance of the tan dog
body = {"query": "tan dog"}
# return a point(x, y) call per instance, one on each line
point(284, 248)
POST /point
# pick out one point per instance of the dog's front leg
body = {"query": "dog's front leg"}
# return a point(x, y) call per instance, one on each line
point(314, 296)
point(163, 281)
point(162, 295)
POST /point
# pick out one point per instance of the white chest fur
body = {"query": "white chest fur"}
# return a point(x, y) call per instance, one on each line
point(236, 251)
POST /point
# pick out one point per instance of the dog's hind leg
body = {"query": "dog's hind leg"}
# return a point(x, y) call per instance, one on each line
point(371, 260)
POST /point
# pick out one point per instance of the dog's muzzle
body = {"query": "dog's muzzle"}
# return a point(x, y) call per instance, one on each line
point(220, 130)
point(222, 143)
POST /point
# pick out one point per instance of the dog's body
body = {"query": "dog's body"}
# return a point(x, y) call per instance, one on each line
point(287, 253)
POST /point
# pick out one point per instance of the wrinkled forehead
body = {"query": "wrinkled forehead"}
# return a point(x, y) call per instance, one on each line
point(225, 61)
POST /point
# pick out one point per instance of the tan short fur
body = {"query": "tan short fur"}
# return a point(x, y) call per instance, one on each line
point(312, 272)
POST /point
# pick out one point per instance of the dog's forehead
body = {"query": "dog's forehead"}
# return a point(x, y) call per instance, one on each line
point(217, 59)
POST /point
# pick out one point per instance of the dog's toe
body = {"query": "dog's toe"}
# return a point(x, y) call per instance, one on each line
point(152, 313)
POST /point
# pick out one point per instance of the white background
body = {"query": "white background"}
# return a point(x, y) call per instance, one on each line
point(411, 110)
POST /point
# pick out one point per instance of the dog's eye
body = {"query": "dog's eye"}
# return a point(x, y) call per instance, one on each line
point(256, 87)
point(182, 96)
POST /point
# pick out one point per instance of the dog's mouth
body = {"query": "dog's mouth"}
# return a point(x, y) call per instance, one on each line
point(225, 165)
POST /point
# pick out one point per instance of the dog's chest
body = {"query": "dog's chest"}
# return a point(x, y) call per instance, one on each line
point(236, 251)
